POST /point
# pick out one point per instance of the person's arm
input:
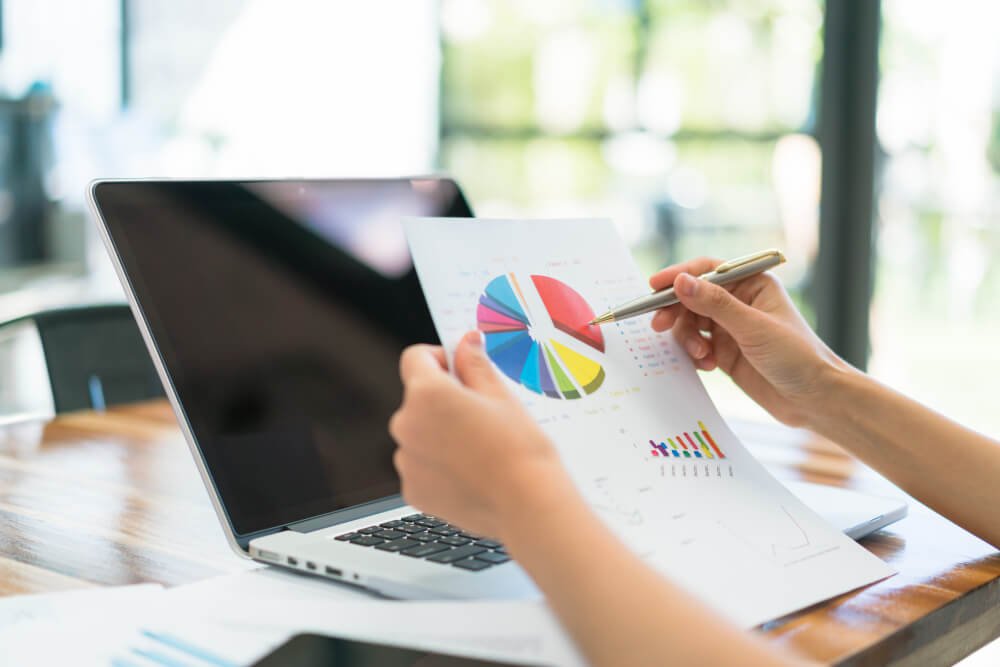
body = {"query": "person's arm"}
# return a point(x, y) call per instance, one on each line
point(470, 453)
point(612, 603)
point(952, 469)
point(753, 332)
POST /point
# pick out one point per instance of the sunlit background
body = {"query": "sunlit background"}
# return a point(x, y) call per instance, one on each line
point(691, 124)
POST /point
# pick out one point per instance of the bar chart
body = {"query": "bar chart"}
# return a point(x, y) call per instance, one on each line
point(693, 444)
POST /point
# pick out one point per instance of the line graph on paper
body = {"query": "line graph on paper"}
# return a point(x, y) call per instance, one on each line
point(607, 500)
point(787, 540)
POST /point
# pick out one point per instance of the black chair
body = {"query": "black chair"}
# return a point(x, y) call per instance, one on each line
point(94, 356)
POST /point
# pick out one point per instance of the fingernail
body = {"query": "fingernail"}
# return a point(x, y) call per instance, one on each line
point(686, 284)
point(474, 338)
point(694, 348)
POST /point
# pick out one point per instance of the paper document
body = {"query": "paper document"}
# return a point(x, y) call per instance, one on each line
point(628, 413)
point(236, 619)
point(85, 627)
point(245, 615)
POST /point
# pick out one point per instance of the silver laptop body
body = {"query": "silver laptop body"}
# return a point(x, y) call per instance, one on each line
point(159, 233)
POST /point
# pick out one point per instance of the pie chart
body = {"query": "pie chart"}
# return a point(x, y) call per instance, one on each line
point(542, 364)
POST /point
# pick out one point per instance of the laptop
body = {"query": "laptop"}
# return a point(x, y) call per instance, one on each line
point(275, 312)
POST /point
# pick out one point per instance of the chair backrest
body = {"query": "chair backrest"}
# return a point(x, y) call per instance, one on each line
point(95, 357)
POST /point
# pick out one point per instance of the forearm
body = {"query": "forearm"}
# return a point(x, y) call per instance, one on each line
point(948, 467)
point(615, 606)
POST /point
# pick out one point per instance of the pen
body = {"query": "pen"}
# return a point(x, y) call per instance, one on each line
point(723, 274)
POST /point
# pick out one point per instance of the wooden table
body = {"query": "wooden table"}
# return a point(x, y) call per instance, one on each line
point(105, 499)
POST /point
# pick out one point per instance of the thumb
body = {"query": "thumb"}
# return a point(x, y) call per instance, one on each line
point(716, 303)
point(473, 367)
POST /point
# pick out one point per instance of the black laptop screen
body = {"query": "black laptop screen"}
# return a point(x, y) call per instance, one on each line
point(279, 310)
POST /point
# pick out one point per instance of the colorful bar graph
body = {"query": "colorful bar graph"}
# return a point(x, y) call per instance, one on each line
point(708, 436)
point(704, 447)
point(661, 449)
point(697, 444)
point(693, 446)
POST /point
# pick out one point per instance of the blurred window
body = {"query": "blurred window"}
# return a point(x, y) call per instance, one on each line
point(688, 123)
point(936, 311)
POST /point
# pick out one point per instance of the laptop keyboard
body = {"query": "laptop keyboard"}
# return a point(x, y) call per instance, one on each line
point(427, 537)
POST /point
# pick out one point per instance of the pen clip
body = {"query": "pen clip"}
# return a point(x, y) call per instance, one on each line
point(749, 259)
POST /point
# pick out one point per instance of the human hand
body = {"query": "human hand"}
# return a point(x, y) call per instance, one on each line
point(468, 450)
point(752, 331)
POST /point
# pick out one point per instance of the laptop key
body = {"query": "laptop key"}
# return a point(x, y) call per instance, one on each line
point(368, 530)
point(395, 523)
point(457, 554)
point(472, 564)
point(412, 517)
point(425, 550)
point(367, 540)
point(454, 540)
point(489, 544)
point(411, 528)
point(431, 523)
point(444, 530)
point(493, 557)
point(346, 537)
point(389, 534)
point(423, 537)
point(397, 545)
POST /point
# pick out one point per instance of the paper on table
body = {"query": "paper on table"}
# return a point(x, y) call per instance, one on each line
point(628, 413)
point(84, 627)
point(239, 618)
point(245, 615)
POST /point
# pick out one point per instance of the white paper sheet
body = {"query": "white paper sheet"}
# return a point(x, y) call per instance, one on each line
point(245, 615)
point(629, 415)
point(237, 619)
point(85, 627)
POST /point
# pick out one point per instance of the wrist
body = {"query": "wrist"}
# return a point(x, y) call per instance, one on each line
point(838, 388)
point(541, 492)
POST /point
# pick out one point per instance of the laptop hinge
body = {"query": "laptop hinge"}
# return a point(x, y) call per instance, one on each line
point(347, 514)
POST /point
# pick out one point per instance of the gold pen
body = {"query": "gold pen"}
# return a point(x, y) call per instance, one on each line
point(723, 274)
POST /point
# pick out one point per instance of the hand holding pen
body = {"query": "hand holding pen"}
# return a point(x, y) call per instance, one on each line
point(723, 274)
point(751, 330)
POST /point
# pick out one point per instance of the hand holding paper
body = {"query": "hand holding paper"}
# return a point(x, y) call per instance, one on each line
point(631, 422)
point(512, 466)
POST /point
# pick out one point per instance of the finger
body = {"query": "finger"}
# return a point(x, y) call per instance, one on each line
point(412, 477)
point(748, 289)
point(686, 334)
point(665, 317)
point(441, 357)
point(704, 298)
point(473, 368)
point(664, 278)
point(707, 363)
point(725, 349)
point(419, 360)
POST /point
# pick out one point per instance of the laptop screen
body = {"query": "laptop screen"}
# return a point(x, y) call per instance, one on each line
point(279, 309)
